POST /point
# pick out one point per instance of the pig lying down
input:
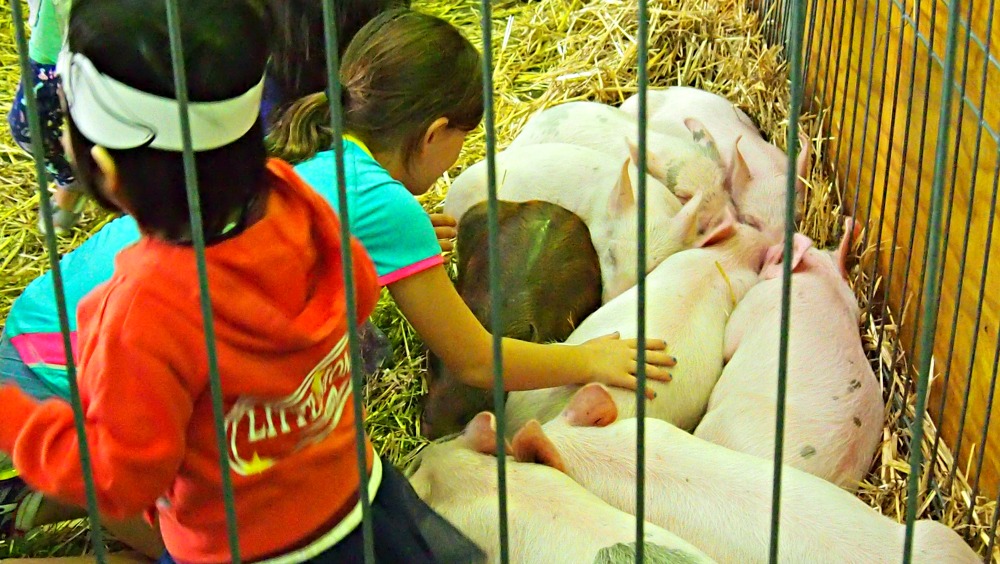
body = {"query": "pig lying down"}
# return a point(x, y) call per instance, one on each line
point(684, 158)
point(549, 282)
point(552, 519)
point(688, 300)
point(757, 170)
point(598, 188)
point(719, 499)
point(834, 409)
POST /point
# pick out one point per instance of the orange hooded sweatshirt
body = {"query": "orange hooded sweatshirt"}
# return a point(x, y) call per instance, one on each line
point(279, 311)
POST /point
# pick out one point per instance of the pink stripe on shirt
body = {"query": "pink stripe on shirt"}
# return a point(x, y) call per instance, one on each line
point(410, 270)
point(42, 348)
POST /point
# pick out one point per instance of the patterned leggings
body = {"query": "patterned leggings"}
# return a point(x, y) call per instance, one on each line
point(47, 93)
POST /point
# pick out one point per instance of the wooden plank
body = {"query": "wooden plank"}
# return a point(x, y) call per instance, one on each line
point(888, 167)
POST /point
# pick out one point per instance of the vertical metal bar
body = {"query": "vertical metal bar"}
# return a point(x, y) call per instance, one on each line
point(829, 56)
point(951, 203)
point(198, 238)
point(855, 99)
point(795, 70)
point(640, 392)
point(885, 179)
point(985, 432)
point(965, 251)
point(993, 531)
point(809, 41)
point(878, 139)
point(916, 200)
point(979, 315)
point(347, 263)
point(864, 130)
point(931, 291)
point(857, 91)
point(493, 239)
point(904, 165)
point(52, 248)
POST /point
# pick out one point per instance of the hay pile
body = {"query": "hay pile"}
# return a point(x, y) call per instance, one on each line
point(546, 52)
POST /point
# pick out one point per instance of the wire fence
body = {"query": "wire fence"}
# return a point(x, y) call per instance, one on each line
point(809, 31)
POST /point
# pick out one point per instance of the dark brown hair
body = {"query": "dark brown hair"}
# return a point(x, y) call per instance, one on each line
point(402, 71)
point(225, 51)
point(298, 52)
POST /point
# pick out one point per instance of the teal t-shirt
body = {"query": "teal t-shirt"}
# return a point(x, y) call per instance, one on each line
point(46, 32)
point(383, 216)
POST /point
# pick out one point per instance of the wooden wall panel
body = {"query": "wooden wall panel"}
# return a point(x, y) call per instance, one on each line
point(888, 167)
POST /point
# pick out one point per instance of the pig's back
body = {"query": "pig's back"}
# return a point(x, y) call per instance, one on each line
point(833, 404)
point(576, 178)
point(703, 489)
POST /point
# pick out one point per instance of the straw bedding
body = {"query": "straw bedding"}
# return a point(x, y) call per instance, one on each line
point(546, 52)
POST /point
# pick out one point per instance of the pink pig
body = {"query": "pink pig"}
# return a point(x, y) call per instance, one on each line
point(834, 409)
point(688, 299)
point(551, 518)
point(758, 170)
point(685, 159)
point(600, 189)
point(719, 499)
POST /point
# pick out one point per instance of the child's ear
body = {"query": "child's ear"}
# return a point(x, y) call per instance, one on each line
point(109, 183)
point(435, 130)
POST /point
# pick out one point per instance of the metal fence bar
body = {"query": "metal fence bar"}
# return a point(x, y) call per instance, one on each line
point(899, 206)
point(985, 432)
point(931, 291)
point(962, 261)
point(795, 71)
point(197, 233)
point(640, 392)
point(857, 90)
point(885, 186)
point(993, 530)
point(52, 248)
point(919, 185)
point(979, 314)
point(946, 236)
point(347, 264)
point(198, 239)
point(964, 23)
point(934, 58)
point(864, 130)
point(854, 112)
point(493, 238)
point(916, 212)
point(807, 55)
point(829, 56)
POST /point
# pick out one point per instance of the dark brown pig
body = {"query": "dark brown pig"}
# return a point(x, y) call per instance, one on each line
point(550, 281)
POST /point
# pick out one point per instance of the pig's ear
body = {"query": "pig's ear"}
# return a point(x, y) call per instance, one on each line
point(531, 445)
point(775, 255)
point(852, 230)
point(723, 227)
point(481, 433)
point(739, 172)
point(591, 406)
point(703, 139)
point(623, 196)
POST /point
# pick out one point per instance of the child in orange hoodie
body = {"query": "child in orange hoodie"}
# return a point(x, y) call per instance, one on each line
point(277, 294)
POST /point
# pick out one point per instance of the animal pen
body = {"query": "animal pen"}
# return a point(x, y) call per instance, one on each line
point(894, 98)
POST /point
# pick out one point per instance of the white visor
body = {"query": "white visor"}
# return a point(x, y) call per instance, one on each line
point(114, 115)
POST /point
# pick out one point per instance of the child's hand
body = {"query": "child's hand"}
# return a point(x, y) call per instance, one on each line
point(614, 361)
point(445, 229)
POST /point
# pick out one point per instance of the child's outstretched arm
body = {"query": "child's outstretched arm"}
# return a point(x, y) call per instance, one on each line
point(446, 324)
